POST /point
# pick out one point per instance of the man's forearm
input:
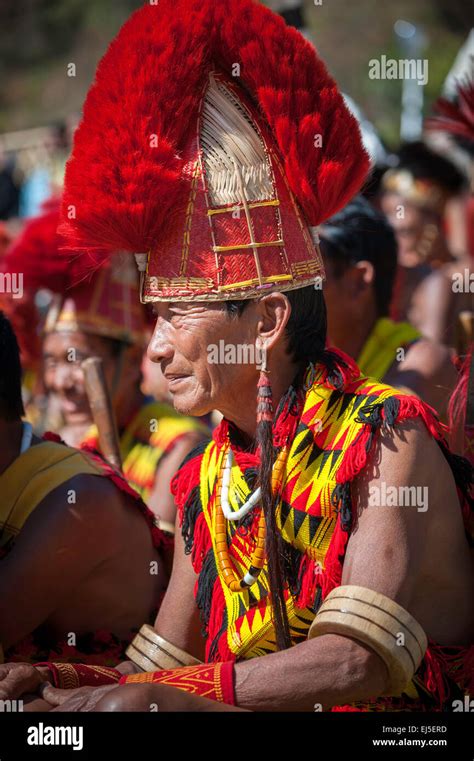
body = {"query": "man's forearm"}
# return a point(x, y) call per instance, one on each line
point(315, 675)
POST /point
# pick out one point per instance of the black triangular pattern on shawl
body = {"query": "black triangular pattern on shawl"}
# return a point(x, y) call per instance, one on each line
point(347, 399)
point(306, 441)
point(298, 520)
point(291, 565)
point(334, 398)
point(314, 524)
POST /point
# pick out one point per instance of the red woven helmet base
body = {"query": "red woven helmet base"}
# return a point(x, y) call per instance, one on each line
point(208, 252)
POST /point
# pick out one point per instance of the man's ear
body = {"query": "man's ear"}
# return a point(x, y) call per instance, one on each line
point(273, 313)
point(361, 276)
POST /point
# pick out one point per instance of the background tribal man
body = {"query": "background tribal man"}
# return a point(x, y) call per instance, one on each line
point(77, 541)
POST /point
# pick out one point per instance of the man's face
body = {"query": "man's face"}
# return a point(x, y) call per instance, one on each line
point(349, 294)
point(410, 224)
point(62, 357)
point(182, 341)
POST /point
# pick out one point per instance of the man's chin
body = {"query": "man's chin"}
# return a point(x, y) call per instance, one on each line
point(190, 407)
point(77, 418)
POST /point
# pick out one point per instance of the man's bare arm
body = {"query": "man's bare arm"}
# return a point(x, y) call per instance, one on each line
point(178, 618)
point(385, 554)
point(59, 545)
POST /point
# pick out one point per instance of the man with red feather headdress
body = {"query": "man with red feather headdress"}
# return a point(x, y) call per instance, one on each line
point(101, 316)
point(25, 318)
point(213, 141)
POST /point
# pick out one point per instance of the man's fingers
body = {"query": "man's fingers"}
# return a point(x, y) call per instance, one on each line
point(54, 695)
point(66, 708)
point(83, 699)
point(35, 704)
point(14, 685)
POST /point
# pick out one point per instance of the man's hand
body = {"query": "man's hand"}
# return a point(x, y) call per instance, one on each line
point(82, 699)
point(130, 697)
point(18, 679)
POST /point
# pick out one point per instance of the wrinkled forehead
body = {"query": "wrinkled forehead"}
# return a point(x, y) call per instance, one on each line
point(219, 308)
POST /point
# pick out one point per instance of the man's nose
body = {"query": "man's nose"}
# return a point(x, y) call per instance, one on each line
point(160, 347)
point(63, 378)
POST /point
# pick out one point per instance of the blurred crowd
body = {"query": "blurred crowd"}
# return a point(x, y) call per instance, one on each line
point(32, 168)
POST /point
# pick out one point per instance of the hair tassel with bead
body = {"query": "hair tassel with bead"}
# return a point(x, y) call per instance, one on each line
point(264, 396)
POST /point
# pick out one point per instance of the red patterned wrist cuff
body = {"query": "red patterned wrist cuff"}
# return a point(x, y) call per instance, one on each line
point(67, 676)
point(214, 681)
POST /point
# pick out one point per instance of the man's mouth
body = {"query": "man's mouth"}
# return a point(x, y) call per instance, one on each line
point(73, 407)
point(174, 379)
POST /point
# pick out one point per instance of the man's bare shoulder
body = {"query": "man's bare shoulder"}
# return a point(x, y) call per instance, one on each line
point(90, 506)
point(427, 370)
point(430, 357)
point(407, 494)
point(408, 516)
point(407, 453)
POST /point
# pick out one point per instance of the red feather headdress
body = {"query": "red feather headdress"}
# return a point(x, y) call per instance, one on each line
point(21, 312)
point(456, 118)
point(36, 254)
point(212, 137)
point(107, 306)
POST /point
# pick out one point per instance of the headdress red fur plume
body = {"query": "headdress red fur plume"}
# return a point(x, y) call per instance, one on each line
point(34, 254)
point(121, 190)
point(105, 306)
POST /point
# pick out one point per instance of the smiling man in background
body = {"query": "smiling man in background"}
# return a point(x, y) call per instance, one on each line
point(101, 316)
